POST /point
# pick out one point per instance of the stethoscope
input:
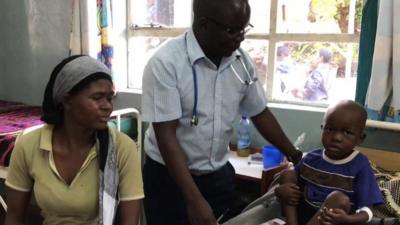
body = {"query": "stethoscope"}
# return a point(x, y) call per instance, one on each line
point(195, 120)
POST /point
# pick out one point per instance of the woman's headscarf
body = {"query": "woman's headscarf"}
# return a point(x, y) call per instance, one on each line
point(70, 74)
point(74, 72)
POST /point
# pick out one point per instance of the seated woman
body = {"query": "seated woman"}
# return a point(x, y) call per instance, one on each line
point(79, 170)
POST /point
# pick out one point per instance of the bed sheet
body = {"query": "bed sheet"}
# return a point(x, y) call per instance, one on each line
point(14, 118)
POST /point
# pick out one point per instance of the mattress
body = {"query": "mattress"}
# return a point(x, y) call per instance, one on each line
point(14, 118)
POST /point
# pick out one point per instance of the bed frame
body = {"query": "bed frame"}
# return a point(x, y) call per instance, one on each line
point(384, 159)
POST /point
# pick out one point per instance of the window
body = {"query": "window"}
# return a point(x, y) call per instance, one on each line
point(306, 51)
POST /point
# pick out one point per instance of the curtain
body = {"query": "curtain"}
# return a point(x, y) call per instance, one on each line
point(383, 94)
point(84, 34)
point(367, 43)
point(104, 13)
point(91, 32)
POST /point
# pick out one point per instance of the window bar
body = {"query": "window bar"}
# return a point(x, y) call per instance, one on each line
point(271, 47)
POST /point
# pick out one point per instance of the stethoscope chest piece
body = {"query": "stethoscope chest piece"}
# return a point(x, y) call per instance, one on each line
point(194, 121)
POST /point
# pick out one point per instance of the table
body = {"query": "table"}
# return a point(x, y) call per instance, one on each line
point(243, 169)
point(254, 172)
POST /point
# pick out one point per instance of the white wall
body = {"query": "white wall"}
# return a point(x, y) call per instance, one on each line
point(34, 37)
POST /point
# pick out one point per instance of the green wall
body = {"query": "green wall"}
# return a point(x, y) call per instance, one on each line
point(296, 121)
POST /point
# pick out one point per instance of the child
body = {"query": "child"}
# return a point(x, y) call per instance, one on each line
point(333, 185)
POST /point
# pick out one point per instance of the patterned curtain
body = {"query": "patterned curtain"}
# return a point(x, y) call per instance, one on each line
point(104, 24)
point(91, 32)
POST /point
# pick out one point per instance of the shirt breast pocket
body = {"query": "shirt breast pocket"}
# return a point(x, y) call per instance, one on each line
point(232, 95)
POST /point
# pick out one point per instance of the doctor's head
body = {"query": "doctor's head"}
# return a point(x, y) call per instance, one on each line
point(220, 25)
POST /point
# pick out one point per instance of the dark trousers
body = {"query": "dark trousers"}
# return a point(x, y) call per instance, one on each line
point(164, 203)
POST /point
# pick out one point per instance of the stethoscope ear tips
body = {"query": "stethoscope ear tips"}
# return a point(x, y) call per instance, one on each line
point(194, 121)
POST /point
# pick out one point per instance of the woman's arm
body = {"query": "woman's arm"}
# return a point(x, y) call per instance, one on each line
point(17, 203)
point(129, 212)
point(130, 186)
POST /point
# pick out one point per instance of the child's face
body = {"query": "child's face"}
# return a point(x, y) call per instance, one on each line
point(342, 131)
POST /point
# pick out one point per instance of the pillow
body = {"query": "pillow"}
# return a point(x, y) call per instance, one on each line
point(389, 183)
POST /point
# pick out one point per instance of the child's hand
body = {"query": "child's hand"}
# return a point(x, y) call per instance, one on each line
point(289, 193)
point(332, 216)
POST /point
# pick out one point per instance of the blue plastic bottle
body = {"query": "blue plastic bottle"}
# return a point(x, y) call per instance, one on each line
point(243, 137)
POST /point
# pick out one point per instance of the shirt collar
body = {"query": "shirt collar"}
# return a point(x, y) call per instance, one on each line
point(193, 48)
point(340, 161)
point(195, 52)
point(46, 137)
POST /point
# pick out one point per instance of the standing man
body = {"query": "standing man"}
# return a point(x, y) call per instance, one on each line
point(319, 82)
point(285, 70)
point(194, 87)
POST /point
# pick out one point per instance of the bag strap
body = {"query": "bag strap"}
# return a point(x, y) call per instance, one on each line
point(103, 136)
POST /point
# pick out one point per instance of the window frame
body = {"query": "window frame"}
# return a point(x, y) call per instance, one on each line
point(272, 37)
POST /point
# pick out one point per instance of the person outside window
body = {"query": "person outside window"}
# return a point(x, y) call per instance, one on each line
point(285, 71)
point(319, 82)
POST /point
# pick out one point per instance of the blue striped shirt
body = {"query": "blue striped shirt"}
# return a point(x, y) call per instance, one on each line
point(353, 176)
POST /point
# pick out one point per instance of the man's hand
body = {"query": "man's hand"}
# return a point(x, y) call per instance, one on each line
point(295, 156)
point(289, 193)
point(333, 216)
point(200, 213)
